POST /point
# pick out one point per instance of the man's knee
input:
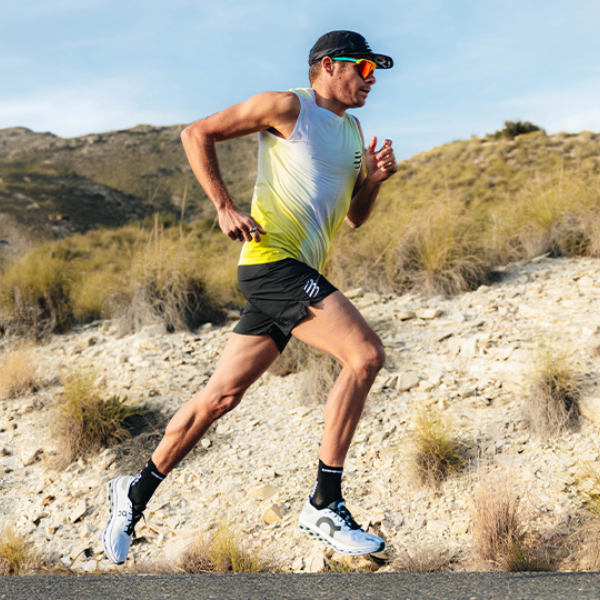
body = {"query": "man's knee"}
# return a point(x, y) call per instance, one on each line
point(370, 358)
point(222, 404)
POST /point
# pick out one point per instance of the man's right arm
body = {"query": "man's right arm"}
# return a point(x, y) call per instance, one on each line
point(276, 111)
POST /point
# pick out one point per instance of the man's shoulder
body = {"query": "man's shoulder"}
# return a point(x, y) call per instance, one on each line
point(306, 93)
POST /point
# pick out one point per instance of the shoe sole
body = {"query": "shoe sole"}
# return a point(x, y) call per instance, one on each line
point(342, 550)
point(106, 535)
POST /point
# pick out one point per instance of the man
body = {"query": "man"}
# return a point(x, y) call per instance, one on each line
point(312, 174)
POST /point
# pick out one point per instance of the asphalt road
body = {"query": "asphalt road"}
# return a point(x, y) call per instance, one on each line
point(331, 586)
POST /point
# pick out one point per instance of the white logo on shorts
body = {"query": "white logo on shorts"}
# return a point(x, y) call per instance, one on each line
point(311, 288)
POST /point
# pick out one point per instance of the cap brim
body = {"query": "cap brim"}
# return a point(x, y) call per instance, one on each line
point(381, 60)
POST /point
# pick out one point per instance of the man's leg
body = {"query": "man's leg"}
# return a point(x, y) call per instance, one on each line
point(335, 326)
point(244, 359)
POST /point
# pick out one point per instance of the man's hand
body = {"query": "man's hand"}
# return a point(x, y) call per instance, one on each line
point(381, 164)
point(238, 225)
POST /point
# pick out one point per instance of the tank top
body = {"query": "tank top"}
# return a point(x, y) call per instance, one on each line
point(304, 185)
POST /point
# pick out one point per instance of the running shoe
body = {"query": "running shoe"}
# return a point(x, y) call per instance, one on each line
point(335, 526)
point(123, 518)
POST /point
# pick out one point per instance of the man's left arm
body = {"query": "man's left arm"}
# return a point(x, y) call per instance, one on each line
point(380, 166)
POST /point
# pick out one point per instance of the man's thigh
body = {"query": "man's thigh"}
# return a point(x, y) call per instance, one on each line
point(335, 326)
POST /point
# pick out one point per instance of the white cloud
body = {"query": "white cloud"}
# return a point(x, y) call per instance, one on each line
point(84, 108)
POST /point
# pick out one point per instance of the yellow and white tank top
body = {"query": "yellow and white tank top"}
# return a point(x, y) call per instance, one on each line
point(304, 185)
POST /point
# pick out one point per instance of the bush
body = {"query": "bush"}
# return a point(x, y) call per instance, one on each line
point(16, 554)
point(501, 536)
point(436, 453)
point(222, 553)
point(34, 292)
point(512, 129)
point(552, 404)
point(86, 421)
point(17, 373)
point(423, 558)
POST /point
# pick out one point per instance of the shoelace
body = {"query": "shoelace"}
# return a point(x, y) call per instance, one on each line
point(343, 512)
point(135, 517)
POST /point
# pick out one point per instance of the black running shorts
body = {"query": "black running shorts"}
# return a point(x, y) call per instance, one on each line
point(278, 295)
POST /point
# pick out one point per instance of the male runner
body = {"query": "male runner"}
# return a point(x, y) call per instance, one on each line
point(312, 174)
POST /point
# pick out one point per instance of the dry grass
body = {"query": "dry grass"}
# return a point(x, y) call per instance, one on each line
point(319, 371)
point(86, 420)
point(166, 285)
point(438, 252)
point(552, 404)
point(18, 374)
point(34, 293)
point(436, 452)
point(502, 539)
point(17, 555)
point(221, 552)
point(423, 558)
point(585, 540)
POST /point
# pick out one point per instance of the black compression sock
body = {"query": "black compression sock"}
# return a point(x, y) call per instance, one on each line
point(144, 485)
point(328, 487)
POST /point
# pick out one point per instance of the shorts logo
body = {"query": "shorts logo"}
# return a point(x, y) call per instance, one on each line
point(311, 288)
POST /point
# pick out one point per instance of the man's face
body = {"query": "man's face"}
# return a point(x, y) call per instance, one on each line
point(351, 89)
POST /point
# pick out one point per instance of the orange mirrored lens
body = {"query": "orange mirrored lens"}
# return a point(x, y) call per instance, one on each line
point(365, 67)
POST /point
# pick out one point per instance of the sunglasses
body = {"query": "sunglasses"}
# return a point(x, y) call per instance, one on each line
point(365, 66)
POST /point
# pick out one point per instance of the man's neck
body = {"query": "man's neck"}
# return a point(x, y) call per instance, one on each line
point(329, 103)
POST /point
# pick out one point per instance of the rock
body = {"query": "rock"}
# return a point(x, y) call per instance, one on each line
point(78, 511)
point(469, 347)
point(263, 492)
point(31, 455)
point(407, 381)
point(354, 293)
point(315, 562)
point(590, 408)
point(437, 526)
point(428, 314)
point(273, 514)
point(405, 315)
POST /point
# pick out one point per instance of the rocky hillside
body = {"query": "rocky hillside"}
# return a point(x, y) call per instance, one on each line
point(470, 357)
point(52, 187)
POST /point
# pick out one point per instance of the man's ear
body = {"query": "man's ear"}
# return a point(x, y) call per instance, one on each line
point(327, 65)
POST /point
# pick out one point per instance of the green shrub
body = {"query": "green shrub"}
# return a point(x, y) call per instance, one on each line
point(512, 129)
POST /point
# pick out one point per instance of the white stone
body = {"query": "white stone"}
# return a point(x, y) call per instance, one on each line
point(263, 492)
point(407, 381)
point(405, 315)
point(428, 314)
point(30, 455)
point(315, 562)
point(78, 511)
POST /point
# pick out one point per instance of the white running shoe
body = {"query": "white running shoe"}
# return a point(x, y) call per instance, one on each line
point(122, 520)
point(335, 527)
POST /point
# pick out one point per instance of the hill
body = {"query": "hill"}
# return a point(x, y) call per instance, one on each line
point(52, 187)
point(442, 225)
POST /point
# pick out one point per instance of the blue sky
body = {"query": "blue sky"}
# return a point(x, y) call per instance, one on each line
point(463, 67)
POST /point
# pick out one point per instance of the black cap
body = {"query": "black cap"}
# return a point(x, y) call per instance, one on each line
point(346, 43)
